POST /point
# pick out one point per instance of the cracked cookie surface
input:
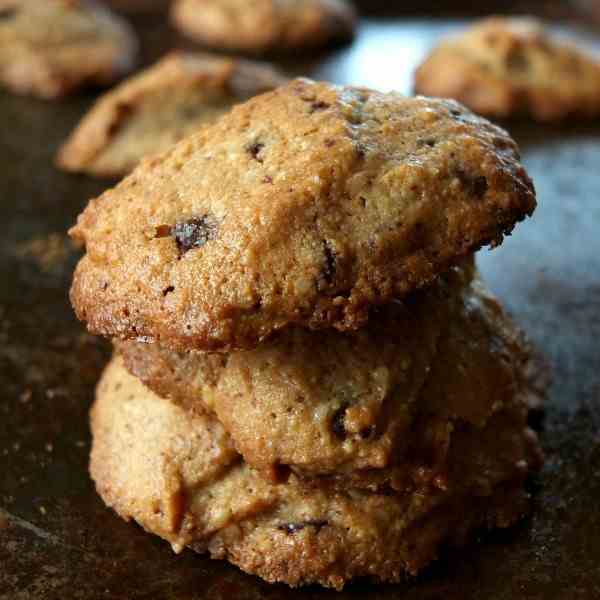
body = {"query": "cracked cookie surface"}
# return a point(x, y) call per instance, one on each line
point(264, 25)
point(51, 48)
point(307, 205)
point(510, 67)
point(148, 113)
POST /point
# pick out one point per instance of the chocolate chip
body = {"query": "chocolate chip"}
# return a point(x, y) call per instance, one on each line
point(168, 290)
point(123, 111)
point(516, 60)
point(291, 528)
point(330, 263)
point(318, 105)
point(427, 142)
point(254, 150)
point(367, 432)
point(281, 473)
point(194, 233)
point(480, 186)
point(338, 425)
point(475, 185)
point(162, 231)
point(361, 151)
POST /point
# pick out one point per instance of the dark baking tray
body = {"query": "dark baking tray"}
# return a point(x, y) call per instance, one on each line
point(57, 540)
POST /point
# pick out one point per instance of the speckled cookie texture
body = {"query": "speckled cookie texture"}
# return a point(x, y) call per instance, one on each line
point(150, 112)
point(307, 205)
point(177, 474)
point(264, 25)
point(352, 407)
point(507, 67)
point(50, 48)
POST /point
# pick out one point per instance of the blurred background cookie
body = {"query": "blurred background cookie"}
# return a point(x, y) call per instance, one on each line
point(264, 25)
point(507, 67)
point(151, 111)
point(51, 48)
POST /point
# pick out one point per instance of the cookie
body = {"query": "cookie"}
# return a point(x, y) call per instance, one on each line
point(342, 406)
point(507, 67)
point(264, 25)
point(176, 475)
point(150, 112)
point(307, 205)
point(51, 48)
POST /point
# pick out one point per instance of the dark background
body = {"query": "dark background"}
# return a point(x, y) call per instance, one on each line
point(57, 540)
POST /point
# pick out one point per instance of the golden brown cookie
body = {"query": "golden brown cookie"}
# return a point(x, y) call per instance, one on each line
point(353, 406)
point(176, 475)
point(264, 25)
point(307, 205)
point(150, 112)
point(50, 48)
point(506, 67)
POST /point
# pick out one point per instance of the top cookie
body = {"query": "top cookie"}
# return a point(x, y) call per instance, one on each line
point(305, 205)
point(511, 67)
point(50, 48)
point(151, 111)
point(264, 25)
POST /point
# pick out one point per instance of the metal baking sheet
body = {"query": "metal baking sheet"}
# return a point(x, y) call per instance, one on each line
point(57, 540)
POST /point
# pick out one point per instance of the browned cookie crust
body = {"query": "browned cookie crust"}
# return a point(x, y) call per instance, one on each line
point(50, 48)
point(512, 67)
point(306, 205)
point(148, 113)
point(356, 406)
point(176, 475)
point(264, 25)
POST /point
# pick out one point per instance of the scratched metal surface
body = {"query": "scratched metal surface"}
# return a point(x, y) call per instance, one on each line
point(57, 540)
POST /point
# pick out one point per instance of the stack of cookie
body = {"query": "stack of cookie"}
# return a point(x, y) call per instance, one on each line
point(310, 378)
